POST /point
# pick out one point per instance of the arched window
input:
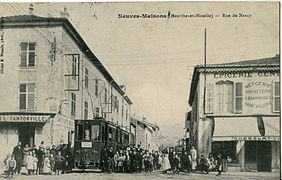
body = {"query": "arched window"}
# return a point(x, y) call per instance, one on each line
point(224, 96)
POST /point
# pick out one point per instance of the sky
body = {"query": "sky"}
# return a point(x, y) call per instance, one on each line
point(154, 58)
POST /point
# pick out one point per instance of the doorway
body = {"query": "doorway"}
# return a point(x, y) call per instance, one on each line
point(264, 156)
point(26, 134)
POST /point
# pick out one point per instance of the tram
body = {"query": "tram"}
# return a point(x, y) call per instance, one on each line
point(91, 136)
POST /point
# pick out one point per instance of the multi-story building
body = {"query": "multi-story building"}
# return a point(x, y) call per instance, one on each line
point(146, 134)
point(50, 77)
point(236, 112)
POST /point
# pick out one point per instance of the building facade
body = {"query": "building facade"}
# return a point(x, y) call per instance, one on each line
point(146, 134)
point(236, 112)
point(49, 78)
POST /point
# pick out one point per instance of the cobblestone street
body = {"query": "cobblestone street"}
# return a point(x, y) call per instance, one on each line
point(155, 176)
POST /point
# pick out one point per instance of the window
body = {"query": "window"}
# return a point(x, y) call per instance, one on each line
point(87, 131)
point(209, 98)
point(110, 134)
point(96, 87)
point(85, 110)
point(126, 115)
point(73, 104)
point(238, 97)
point(276, 97)
point(27, 96)
point(27, 55)
point(74, 65)
point(116, 103)
point(79, 131)
point(95, 132)
point(224, 96)
point(97, 111)
point(122, 110)
point(86, 78)
point(106, 95)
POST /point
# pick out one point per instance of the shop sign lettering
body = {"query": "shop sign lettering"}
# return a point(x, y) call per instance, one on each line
point(258, 94)
point(237, 74)
point(10, 118)
point(256, 138)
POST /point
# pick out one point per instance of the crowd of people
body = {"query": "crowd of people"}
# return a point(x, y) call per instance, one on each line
point(56, 160)
point(33, 161)
point(136, 160)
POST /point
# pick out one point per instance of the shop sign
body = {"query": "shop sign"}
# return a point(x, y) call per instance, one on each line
point(86, 144)
point(25, 118)
point(256, 138)
point(258, 94)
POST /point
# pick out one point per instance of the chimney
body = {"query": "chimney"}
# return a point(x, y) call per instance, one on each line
point(30, 9)
point(65, 14)
point(123, 87)
point(144, 118)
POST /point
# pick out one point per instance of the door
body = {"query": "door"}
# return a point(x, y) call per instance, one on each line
point(264, 156)
point(26, 133)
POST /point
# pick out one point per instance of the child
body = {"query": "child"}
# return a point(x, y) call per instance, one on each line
point(35, 162)
point(59, 163)
point(29, 163)
point(176, 161)
point(12, 165)
point(6, 164)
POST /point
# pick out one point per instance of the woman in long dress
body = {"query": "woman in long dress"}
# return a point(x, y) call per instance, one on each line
point(46, 169)
point(165, 164)
point(193, 153)
point(26, 150)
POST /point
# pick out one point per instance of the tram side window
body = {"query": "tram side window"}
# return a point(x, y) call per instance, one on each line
point(95, 133)
point(103, 133)
point(87, 132)
point(120, 137)
point(110, 134)
point(79, 131)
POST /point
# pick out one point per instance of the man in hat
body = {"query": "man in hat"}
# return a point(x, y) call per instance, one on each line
point(18, 153)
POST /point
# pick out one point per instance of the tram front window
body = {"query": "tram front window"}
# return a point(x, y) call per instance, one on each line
point(95, 133)
point(79, 131)
point(87, 132)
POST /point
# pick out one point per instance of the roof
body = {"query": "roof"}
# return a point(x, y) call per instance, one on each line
point(135, 121)
point(32, 21)
point(246, 65)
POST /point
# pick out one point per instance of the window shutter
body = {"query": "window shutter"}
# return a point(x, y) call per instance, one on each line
point(209, 98)
point(238, 97)
point(276, 96)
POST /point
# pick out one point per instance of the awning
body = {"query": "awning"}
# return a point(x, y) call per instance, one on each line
point(228, 128)
point(271, 126)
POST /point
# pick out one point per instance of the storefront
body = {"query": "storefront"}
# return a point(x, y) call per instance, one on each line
point(24, 127)
point(249, 143)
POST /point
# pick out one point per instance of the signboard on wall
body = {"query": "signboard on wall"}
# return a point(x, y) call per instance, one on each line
point(23, 118)
point(258, 94)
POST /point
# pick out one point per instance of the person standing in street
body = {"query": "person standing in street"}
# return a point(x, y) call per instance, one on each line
point(18, 153)
point(193, 153)
point(165, 164)
point(110, 162)
point(219, 164)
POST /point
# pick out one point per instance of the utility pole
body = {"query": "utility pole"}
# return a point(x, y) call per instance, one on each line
point(205, 68)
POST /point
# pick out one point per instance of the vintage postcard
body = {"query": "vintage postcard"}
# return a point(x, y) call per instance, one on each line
point(122, 90)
